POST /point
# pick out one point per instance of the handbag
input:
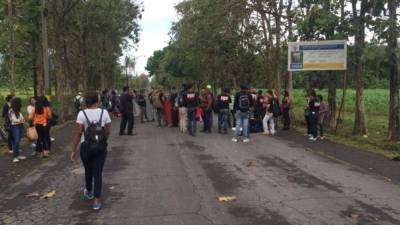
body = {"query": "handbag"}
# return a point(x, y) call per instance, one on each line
point(31, 134)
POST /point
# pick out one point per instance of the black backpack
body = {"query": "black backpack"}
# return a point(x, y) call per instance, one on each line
point(95, 136)
point(275, 108)
point(77, 103)
point(244, 102)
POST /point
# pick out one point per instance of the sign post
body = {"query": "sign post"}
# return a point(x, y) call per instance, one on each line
point(317, 56)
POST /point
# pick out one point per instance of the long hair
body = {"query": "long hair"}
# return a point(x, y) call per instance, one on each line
point(16, 105)
point(39, 106)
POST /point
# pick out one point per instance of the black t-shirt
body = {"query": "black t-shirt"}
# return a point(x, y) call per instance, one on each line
point(313, 105)
point(191, 99)
point(260, 102)
point(223, 101)
point(243, 101)
point(141, 101)
point(126, 103)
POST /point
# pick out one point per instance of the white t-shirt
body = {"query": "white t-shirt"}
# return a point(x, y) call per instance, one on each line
point(94, 116)
point(30, 109)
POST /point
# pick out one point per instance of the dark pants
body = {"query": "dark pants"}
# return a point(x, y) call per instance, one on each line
point(127, 119)
point(17, 131)
point(175, 117)
point(43, 142)
point(10, 139)
point(321, 129)
point(161, 117)
point(307, 118)
point(192, 124)
point(286, 119)
point(143, 113)
point(313, 118)
point(207, 120)
point(94, 172)
point(223, 119)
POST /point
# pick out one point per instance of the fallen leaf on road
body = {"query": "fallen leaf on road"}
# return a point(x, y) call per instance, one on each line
point(388, 179)
point(365, 136)
point(227, 199)
point(251, 163)
point(33, 195)
point(112, 188)
point(354, 216)
point(48, 195)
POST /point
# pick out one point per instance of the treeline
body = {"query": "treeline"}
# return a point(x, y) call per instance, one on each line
point(228, 42)
point(65, 45)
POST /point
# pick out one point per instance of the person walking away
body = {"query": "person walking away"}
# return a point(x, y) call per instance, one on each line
point(173, 99)
point(78, 100)
point(141, 100)
point(40, 117)
point(314, 114)
point(151, 106)
point(286, 105)
point(270, 111)
point(7, 123)
point(323, 115)
point(29, 109)
point(126, 109)
point(223, 102)
point(92, 132)
point(157, 99)
point(167, 109)
point(191, 102)
point(183, 118)
point(17, 128)
point(105, 100)
point(206, 106)
point(242, 104)
point(114, 102)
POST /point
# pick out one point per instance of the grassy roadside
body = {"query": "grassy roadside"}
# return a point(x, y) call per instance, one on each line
point(376, 103)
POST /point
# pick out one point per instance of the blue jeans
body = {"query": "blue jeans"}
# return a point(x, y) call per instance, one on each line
point(223, 119)
point(242, 120)
point(192, 121)
point(17, 132)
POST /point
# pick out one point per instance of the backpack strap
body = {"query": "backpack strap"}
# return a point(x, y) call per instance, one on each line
point(101, 117)
point(87, 118)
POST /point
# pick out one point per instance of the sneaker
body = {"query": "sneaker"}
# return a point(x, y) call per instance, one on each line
point(10, 151)
point(88, 194)
point(33, 145)
point(35, 153)
point(15, 160)
point(322, 137)
point(312, 139)
point(235, 140)
point(309, 135)
point(246, 140)
point(96, 206)
point(52, 139)
point(265, 133)
point(46, 154)
point(21, 157)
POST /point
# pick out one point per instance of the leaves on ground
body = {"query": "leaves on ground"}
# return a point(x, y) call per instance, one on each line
point(227, 198)
point(33, 195)
point(251, 163)
point(50, 194)
point(354, 216)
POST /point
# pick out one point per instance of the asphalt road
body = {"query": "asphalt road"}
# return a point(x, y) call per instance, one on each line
point(161, 177)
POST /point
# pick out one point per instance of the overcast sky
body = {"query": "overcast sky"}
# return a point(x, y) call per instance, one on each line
point(155, 25)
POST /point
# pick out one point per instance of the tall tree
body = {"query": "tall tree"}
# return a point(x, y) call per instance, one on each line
point(11, 62)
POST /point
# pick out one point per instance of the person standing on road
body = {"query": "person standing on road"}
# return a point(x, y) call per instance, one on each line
point(174, 107)
point(313, 106)
point(286, 105)
point(183, 118)
point(323, 115)
point(7, 123)
point(158, 103)
point(17, 128)
point(242, 105)
point(269, 118)
point(206, 106)
point(78, 102)
point(40, 117)
point(29, 109)
point(223, 102)
point(141, 100)
point(191, 101)
point(92, 121)
point(126, 109)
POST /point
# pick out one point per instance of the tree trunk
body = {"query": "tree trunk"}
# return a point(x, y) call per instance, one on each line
point(58, 35)
point(332, 98)
point(394, 117)
point(11, 62)
point(360, 125)
point(34, 67)
point(45, 49)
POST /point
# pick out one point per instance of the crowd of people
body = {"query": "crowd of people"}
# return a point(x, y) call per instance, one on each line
point(39, 118)
point(245, 112)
